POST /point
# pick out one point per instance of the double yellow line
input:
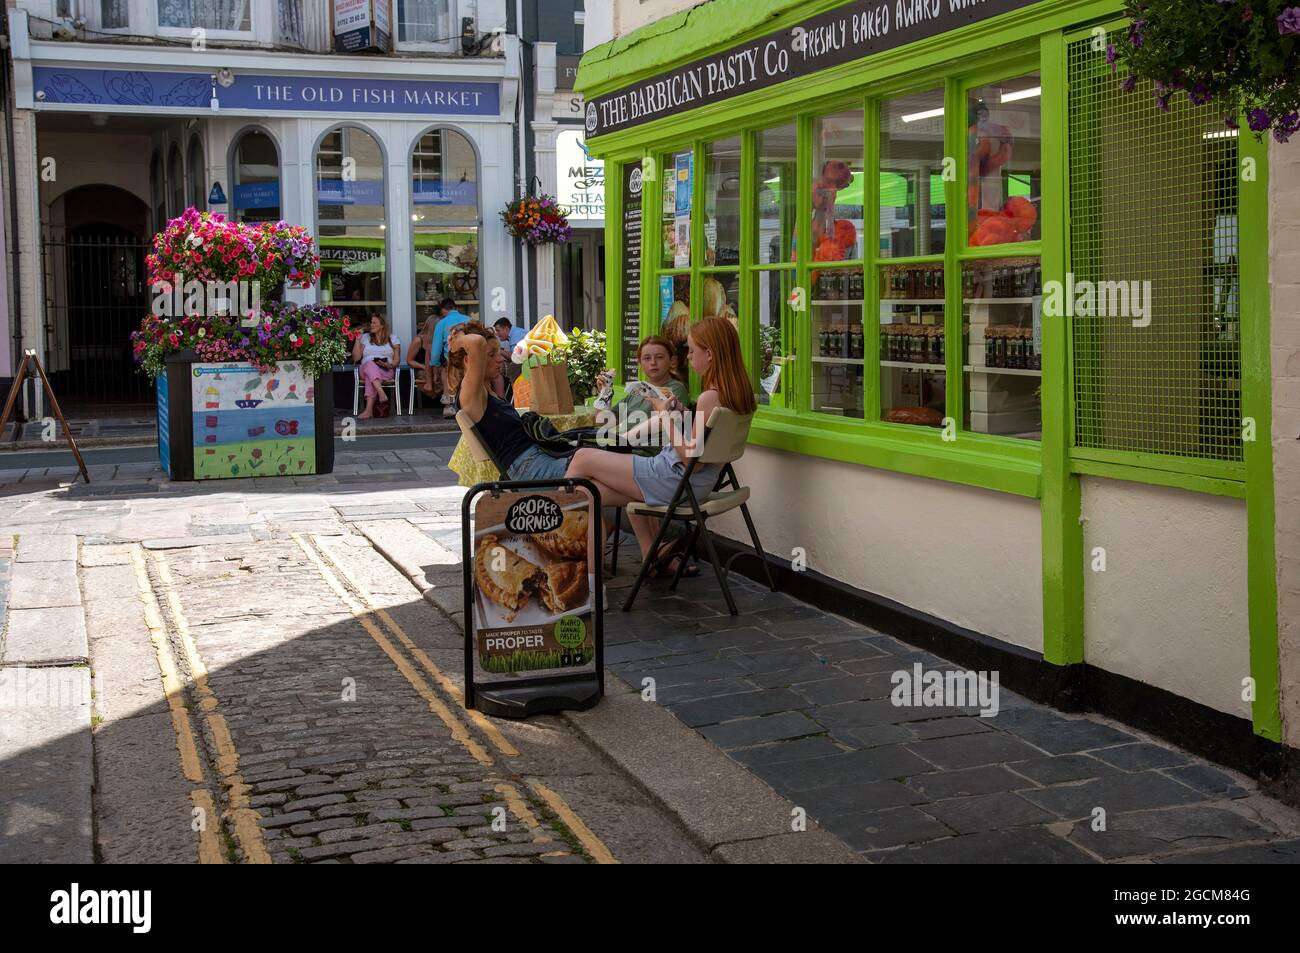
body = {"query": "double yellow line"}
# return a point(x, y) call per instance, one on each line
point(363, 613)
point(240, 814)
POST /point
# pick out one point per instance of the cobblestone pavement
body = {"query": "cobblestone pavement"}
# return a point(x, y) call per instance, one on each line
point(270, 608)
point(263, 675)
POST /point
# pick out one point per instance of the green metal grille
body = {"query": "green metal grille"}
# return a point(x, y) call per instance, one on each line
point(1153, 198)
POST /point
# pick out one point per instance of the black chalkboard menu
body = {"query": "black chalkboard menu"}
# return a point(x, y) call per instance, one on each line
point(631, 269)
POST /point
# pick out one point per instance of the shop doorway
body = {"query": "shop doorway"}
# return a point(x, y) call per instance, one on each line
point(95, 298)
point(581, 281)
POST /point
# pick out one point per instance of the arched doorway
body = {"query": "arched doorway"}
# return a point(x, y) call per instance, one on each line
point(96, 294)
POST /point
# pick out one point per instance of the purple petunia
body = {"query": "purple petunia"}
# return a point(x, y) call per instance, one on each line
point(1259, 120)
point(1288, 21)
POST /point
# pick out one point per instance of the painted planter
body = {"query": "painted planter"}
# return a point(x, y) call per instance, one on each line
point(229, 420)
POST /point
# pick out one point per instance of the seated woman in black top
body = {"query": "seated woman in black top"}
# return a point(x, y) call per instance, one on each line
point(476, 359)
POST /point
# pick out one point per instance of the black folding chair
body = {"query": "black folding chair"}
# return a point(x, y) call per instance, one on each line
point(725, 436)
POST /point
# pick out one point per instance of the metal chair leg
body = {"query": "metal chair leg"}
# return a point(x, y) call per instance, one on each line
point(686, 553)
point(618, 532)
point(356, 390)
point(758, 547)
point(646, 563)
point(717, 568)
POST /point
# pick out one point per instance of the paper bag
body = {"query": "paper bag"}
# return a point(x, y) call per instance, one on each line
point(551, 391)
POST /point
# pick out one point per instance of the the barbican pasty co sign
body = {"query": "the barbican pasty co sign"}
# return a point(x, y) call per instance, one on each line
point(847, 33)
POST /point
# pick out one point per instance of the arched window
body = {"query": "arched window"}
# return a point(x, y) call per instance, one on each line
point(198, 177)
point(255, 178)
point(158, 192)
point(175, 182)
point(351, 222)
point(445, 222)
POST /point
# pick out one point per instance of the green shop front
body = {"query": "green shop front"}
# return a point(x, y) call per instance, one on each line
point(1008, 326)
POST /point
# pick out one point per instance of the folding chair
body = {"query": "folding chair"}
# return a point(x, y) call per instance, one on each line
point(725, 435)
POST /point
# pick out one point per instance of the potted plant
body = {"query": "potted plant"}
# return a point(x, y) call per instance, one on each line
point(1240, 56)
point(244, 382)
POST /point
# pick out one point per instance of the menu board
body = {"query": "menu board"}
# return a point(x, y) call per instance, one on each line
point(632, 184)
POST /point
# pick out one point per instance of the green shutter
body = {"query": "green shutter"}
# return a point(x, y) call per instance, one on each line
point(1153, 198)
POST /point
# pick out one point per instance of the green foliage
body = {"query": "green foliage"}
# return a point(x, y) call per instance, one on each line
point(1242, 57)
point(586, 358)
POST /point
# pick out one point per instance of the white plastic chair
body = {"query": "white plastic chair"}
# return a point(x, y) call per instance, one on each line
point(358, 388)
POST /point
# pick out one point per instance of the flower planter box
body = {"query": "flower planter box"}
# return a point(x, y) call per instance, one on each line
point(230, 420)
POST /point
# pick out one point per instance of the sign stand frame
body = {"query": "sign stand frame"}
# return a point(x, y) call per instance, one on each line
point(30, 358)
point(521, 698)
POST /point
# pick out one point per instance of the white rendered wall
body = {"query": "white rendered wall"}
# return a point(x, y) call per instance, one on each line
point(1170, 608)
point(970, 556)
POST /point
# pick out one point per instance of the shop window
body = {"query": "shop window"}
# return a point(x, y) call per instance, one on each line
point(674, 298)
point(351, 222)
point(225, 15)
point(913, 210)
point(913, 345)
point(1002, 313)
point(678, 197)
point(722, 203)
point(777, 201)
point(423, 21)
point(775, 365)
point(1153, 299)
point(288, 22)
point(837, 309)
point(198, 178)
point(445, 223)
point(175, 182)
point(255, 178)
point(1004, 162)
point(837, 187)
point(114, 14)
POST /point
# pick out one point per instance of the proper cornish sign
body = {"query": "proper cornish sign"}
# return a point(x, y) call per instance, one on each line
point(843, 35)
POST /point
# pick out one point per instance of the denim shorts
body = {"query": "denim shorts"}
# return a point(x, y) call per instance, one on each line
point(536, 464)
point(659, 476)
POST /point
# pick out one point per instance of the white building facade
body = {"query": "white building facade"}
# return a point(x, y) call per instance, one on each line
point(397, 157)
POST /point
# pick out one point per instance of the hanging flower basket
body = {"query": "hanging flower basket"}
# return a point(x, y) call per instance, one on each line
point(537, 220)
point(1241, 56)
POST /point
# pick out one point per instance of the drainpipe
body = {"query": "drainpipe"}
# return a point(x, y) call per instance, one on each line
point(521, 118)
point(6, 76)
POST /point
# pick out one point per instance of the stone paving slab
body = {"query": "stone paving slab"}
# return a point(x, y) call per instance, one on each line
point(46, 771)
point(51, 636)
point(44, 548)
point(43, 585)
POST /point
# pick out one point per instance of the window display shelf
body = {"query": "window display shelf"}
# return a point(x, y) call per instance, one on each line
point(839, 360)
point(913, 302)
point(828, 302)
point(999, 300)
point(1019, 371)
point(908, 365)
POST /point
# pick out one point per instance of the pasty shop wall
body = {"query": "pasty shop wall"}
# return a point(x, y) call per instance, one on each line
point(1170, 610)
point(1170, 606)
point(967, 555)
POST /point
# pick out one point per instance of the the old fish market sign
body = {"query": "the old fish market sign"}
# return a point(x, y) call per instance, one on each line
point(848, 33)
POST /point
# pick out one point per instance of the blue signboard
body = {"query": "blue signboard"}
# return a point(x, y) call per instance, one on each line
point(355, 192)
point(218, 195)
point(263, 93)
point(257, 195)
point(446, 193)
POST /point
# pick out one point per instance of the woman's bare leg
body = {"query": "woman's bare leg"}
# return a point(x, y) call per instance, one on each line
point(612, 472)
